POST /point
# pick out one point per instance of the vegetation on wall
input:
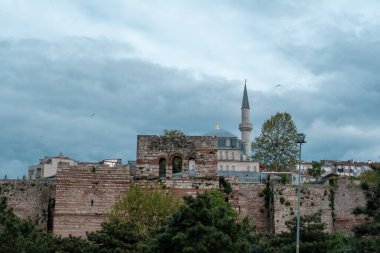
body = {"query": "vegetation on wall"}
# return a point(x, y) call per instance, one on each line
point(170, 141)
point(316, 170)
point(225, 185)
point(205, 223)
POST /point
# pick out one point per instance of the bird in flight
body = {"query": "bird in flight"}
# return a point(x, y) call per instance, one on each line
point(92, 115)
point(278, 85)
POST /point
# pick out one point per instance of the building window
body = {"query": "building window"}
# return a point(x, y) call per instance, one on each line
point(233, 168)
point(228, 142)
point(227, 168)
point(177, 166)
point(191, 168)
point(162, 168)
point(221, 167)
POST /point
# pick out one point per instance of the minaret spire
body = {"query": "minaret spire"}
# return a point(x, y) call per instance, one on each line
point(245, 104)
point(245, 126)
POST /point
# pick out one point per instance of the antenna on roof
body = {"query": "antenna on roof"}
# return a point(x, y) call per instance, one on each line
point(217, 125)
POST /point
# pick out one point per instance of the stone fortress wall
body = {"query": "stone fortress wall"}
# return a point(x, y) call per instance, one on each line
point(80, 197)
point(83, 197)
point(32, 200)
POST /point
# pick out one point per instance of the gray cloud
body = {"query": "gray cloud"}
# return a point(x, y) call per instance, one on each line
point(140, 68)
point(50, 90)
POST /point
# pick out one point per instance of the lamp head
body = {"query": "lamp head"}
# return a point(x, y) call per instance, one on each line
point(301, 138)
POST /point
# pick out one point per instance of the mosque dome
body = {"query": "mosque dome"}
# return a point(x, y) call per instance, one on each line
point(220, 133)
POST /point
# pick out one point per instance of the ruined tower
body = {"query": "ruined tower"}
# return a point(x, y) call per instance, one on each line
point(245, 126)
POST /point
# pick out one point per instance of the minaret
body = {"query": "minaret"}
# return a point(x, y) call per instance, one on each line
point(245, 126)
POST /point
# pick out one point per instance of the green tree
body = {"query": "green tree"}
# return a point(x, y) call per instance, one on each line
point(115, 236)
point(276, 146)
point(313, 239)
point(17, 235)
point(147, 208)
point(173, 133)
point(316, 170)
point(204, 224)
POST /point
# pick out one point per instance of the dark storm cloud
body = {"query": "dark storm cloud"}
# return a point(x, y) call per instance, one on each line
point(341, 112)
point(75, 97)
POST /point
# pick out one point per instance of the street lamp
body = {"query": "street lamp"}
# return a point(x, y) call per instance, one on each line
point(300, 140)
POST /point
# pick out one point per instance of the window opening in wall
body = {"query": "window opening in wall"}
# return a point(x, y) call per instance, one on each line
point(162, 167)
point(177, 166)
point(191, 167)
point(92, 202)
point(221, 167)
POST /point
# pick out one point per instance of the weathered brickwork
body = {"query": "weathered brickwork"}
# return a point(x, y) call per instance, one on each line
point(84, 196)
point(348, 196)
point(336, 204)
point(313, 199)
point(31, 200)
point(248, 200)
point(153, 148)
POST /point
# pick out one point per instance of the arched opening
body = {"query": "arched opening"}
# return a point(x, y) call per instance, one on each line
point(191, 167)
point(177, 166)
point(162, 168)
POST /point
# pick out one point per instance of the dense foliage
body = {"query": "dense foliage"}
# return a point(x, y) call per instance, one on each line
point(173, 133)
point(147, 208)
point(316, 170)
point(204, 224)
point(276, 146)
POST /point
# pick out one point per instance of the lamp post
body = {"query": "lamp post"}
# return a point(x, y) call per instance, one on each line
point(300, 140)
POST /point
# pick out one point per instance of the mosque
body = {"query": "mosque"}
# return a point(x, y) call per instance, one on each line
point(216, 153)
point(234, 155)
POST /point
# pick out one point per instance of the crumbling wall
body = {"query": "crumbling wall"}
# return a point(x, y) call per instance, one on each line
point(314, 198)
point(152, 148)
point(31, 199)
point(85, 195)
point(248, 200)
point(348, 196)
point(336, 201)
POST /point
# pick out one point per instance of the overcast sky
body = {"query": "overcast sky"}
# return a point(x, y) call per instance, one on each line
point(85, 77)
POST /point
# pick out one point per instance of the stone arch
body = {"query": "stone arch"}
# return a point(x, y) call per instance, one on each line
point(162, 167)
point(177, 163)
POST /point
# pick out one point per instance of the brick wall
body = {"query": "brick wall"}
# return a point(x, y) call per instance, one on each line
point(249, 202)
point(348, 196)
point(152, 148)
point(313, 199)
point(31, 199)
point(84, 196)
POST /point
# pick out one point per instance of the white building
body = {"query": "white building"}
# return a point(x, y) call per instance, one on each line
point(341, 168)
point(48, 166)
point(234, 155)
